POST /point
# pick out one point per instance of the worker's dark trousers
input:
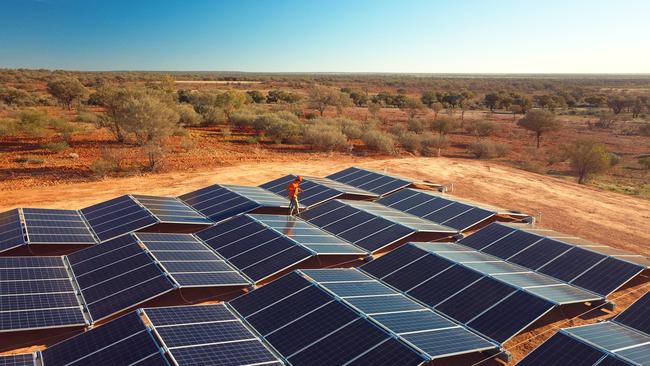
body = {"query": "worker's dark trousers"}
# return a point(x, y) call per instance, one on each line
point(294, 207)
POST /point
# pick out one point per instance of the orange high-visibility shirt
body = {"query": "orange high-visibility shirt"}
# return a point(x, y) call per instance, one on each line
point(293, 189)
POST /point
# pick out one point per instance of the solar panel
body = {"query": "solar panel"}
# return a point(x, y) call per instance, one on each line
point(171, 210)
point(219, 202)
point(430, 332)
point(117, 217)
point(317, 190)
point(208, 335)
point(366, 224)
point(254, 248)
point(637, 315)
point(571, 260)
point(117, 275)
point(562, 350)
point(308, 326)
point(37, 293)
point(454, 283)
point(123, 341)
point(18, 360)
point(438, 209)
point(207, 270)
point(379, 183)
point(11, 230)
point(47, 226)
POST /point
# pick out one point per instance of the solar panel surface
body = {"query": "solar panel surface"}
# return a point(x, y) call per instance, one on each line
point(123, 341)
point(308, 326)
point(116, 275)
point(555, 256)
point(189, 262)
point(379, 183)
point(117, 217)
point(18, 360)
point(208, 335)
point(37, 293)
point(316, 190)
point(254, 248)
point(637, 315)
point(11, 230)
point(48, 226)
point(220, 202)
point(171, 210)
point(437, 209)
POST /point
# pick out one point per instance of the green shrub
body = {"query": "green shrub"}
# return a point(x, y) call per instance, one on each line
point(487, 150)
point(64, 127)
point(55, 147)
point(32, 123)
point(350, 128)
point(379, 141)
point(243, 118)
point(214, 116)
point(417, 125)
point(410, 141)
point(324, 137)
point(86, 117)
point(187, 116)
point(283, 131)
point(397, 130)
point(433, 145)
point(8, 127)
point(101, 168)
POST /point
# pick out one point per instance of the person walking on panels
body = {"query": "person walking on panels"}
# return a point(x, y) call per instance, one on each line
point(293, 189)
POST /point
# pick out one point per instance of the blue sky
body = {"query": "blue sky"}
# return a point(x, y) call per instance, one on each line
point(423, 36)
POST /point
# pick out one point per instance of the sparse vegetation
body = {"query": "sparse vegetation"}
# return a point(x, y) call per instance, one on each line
point(540, 122)
point(587, 158)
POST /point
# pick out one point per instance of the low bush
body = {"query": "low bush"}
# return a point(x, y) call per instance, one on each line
point(397, 130)
point(432, 145)
point(101, 168)
point(410, 141)
point(379, 141)
point(32, 123)
point(88, 117)
point(56, 147)
point(8, 127)
point(65, 128)
point(283, 131)
point(324, 137)
point(487, 150)
point(417, 125)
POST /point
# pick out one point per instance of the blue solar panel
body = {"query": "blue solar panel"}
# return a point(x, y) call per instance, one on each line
point(417, 272)
point(540, 253)
point(117, 275)
point(40, 319)
point(207, 335)
point(11, 230)
point(388, 353)
point(189, 262)
point(380, 184)
point(383, 304)
point(340, 347)
point(571, 264)
point(447, 341)
point(172, 210)
point(608, 335)
point(637, 316)
point(474, 299)
point(117, 217)
point(44, 226)
point(17, 360)
point(486, 236)
point(268, 294)
point(413, 321)
point(123, 341)
point(506, 319)
point(607, 276)
point(397, 259)
point(561, 350)
point(512, 244)
point(442, 286)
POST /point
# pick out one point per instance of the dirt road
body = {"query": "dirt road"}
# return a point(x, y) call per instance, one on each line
point(606, 217)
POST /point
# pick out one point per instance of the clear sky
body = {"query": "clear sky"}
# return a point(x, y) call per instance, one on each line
point(418, 36)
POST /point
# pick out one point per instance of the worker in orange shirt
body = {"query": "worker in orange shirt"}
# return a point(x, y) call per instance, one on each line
point(293, 189)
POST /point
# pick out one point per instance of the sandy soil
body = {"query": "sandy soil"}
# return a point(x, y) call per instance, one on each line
point(606, 217)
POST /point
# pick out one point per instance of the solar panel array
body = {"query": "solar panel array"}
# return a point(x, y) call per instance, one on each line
point(123, 341)
point(307, 326)
point(220, 202)
point(11, 230)
point(623, 341)
point(317, 190)
point(438, 209)
point(25, 359)
point(208, 335)
point(427, 330)
point(117, 217)
point(367, 224)
point(116, 275)
point(36, 292)
point(578, 265)
point(189, 262)
point(253, 248)
point(378, 183)
point(468, 292)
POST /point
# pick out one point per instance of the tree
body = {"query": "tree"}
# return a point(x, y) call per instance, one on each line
point(481, 129)
point(150, 119)
point(443, 125)
point(428, 98)
point(281, 96)
point(515, 109)
point(437, 107)
point(113, 98)
point(320, 97)
point(491, 101)
point(617, 103)
point(66, 90)
point(540, 122)
point(596, 100)
point(231, 100)
point(413, 107)
point(188, 116)
point(256, 96)
point(587, 158)
point(374, 108)
point(523, 102)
